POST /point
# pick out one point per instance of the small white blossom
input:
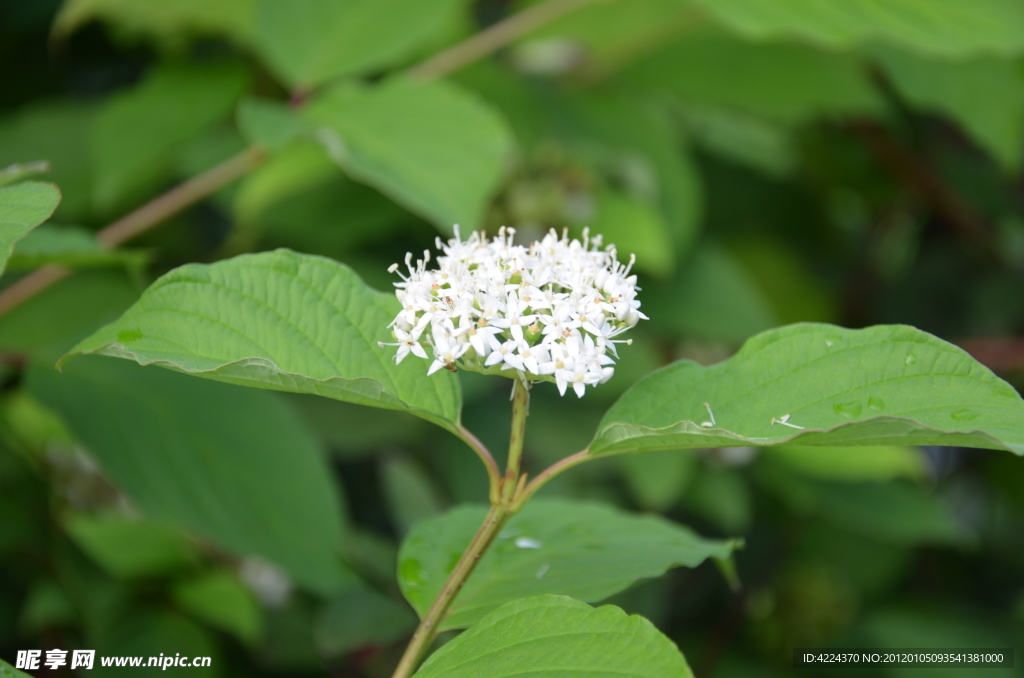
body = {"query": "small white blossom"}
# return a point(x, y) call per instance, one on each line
point(549, 311)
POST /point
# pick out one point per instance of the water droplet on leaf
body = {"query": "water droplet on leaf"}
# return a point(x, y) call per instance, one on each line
point(849, 410)
point(964, 415)
point(876, 404)
point(911, 359)
point(527, 543)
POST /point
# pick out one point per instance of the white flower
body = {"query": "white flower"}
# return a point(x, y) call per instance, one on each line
point(548, 312)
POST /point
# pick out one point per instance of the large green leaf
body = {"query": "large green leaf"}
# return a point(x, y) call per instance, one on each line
point(233, 465)
point(128, 548)
point(433, 147)
point(283, 321)
point(23, 207)
point(308, 43)
point(558, 637)
point(942, 27)
point(8, 671)
point(821, 385)
point(137, 131)
point(586, 550)
point(984, 95)
point(787, 82)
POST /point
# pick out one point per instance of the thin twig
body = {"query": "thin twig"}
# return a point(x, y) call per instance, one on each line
point(547, 475)
point(139, 221)
point(495, 37)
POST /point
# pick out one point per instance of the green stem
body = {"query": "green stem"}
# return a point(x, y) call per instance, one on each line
point(520, 410)
point(427, 630)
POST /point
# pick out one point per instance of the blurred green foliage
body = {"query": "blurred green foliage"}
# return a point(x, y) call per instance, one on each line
point(767, 162)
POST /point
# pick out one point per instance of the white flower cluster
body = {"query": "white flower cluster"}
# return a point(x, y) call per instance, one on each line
point(550, 311)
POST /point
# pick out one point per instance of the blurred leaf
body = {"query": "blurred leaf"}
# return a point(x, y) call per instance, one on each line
point(57, 132)
point(984, 95)
point(612, 32)
point(23, 207)
point(411, 495)
point(168, 19)
point(137, 131)
point(58, 317)
point(8, 671)
point(940, 27)
point(433, 147)
point(315, 41)
point(267, 123)
point(289, 172)
point(895, 512)
point(353, 431)
point(46, 606)
point(558, 637)
point(19, 172)
point(657, 480)
point(787, 82)
point(243, 473)
point(148, 633)
point(288, 642)
point(852, 463)
point(889, 384)
point(646, 153)
point(586, 550)
point(361, 618)
point(128, 548)
point(722, 497)
point(282, 321)
point(634, 228)
point(755, 142)
point(713, 297)
point(222, 601)
point(796, 293)
point(70, 246)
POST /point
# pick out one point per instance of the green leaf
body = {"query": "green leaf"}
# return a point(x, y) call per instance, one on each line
point(23, 207)
point(20, 172)
point(221, 600)
point(128, 548)
point(136, 133)
point(312, 42)
point(434, 148)
point(585, 550)
point(282, 321)
point(852, 463)
point(938, 27)
point(657, 480)
point(635, 228)
point(361, 618)
point(411, 495)
point(899, 513)
point(70, 246)
point(267, 123)
point(985, 95)
point(637, 141)
point(745, 139)
point(884, 385)
point(713, 298)
point(243, 472)
point(59, 134)
point(169, 19)
point(789, 83)
point(8, 671)
point(558, 637)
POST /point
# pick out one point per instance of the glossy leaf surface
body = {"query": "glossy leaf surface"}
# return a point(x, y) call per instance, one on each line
point(282, 321)
point(585, 550)
point(558, 637)
point(821, 385)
